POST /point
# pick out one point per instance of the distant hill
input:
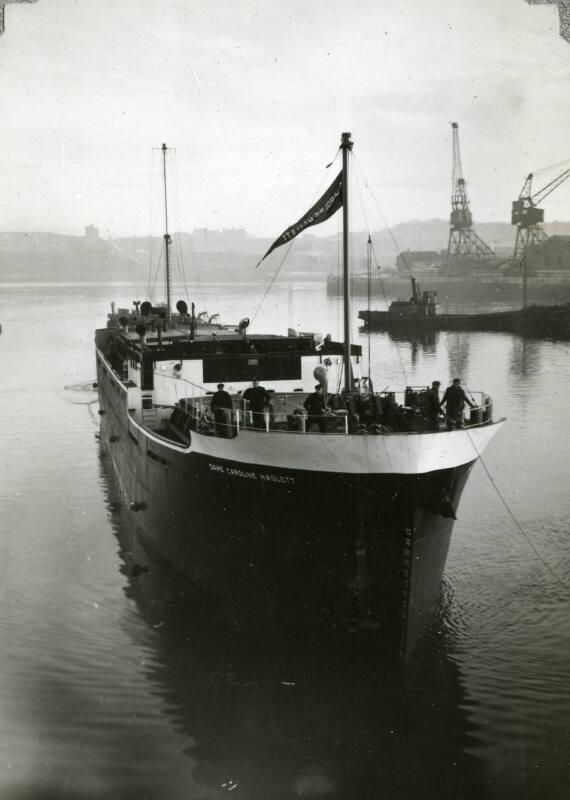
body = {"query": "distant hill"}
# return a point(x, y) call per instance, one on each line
point(217, 256)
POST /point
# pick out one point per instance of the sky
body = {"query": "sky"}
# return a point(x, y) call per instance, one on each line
point(253, 96)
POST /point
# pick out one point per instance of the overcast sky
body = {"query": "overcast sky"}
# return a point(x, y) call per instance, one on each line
point(254, 95)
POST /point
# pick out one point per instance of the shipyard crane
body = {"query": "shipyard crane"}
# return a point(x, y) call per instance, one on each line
point(463, 241)
point(563, 14)
point(4, 3)
point(528, 217)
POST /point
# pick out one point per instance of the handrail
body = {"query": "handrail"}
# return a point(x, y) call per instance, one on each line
point(394, 418)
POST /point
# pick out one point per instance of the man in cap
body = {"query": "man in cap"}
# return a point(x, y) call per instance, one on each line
point(221, 403)
point(316, 408)
point(258, 401)
point(221, 399)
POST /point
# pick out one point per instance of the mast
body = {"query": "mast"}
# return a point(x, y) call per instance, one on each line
point(346, 147)
point(369, 266)
point(167, 239)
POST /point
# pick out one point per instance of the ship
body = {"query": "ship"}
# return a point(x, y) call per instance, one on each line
point(339, 520)
point(420, 314)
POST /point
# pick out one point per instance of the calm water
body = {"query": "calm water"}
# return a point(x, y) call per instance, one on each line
point(114, 683)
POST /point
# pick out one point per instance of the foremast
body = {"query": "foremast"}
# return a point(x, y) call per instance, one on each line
point(346, 146)
point(167, 239)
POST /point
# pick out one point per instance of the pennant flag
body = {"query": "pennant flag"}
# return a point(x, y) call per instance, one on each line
point(324, 208)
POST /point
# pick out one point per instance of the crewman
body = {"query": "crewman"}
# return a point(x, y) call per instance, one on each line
point(433, 405)
point(258, 401)
point(316, 408)
point(221, 399)
point(220, 404)
point(454, 400)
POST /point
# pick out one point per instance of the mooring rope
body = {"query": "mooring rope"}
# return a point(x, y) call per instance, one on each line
point(512, 515)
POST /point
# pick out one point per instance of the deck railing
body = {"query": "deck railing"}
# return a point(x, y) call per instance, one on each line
point(379, 413)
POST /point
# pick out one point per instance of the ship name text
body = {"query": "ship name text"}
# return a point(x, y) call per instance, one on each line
point(270, 477)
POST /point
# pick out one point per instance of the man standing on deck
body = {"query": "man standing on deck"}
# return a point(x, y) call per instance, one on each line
point(316, 408)
point(258, 401)
point(221, 399)
point(433, 406)
point(221, 402)
point(455, 399)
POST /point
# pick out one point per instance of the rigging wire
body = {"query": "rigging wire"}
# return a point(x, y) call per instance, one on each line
point(483, 464)
point(178, 251)
point(369, 298)
point(559, 164)
point(348, 291)
point(338, 152)
point(153, 282)
point(382, 287)
point(156, 243)
point(451, 358)
point(384, 220)
point(339, 277)
point(151, 211)
point(267, 290)
point(316, 196)
point(512, 515)
point(180, 380)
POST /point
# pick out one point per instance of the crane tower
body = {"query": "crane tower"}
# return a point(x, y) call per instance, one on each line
point(464, 244)
point(528, 217)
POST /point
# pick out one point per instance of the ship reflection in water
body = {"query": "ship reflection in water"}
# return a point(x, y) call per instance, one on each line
point(271, 713)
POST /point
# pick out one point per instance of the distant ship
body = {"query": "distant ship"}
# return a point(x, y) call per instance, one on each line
point(340, 519)
point(420, 313)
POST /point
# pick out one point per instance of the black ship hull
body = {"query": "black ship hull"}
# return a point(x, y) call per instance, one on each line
point(289, 547)
point(534, 321)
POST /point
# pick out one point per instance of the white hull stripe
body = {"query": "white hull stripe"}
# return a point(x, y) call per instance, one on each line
point(395, 453)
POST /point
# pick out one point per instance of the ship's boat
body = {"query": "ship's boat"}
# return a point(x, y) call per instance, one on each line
point(284, 502)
